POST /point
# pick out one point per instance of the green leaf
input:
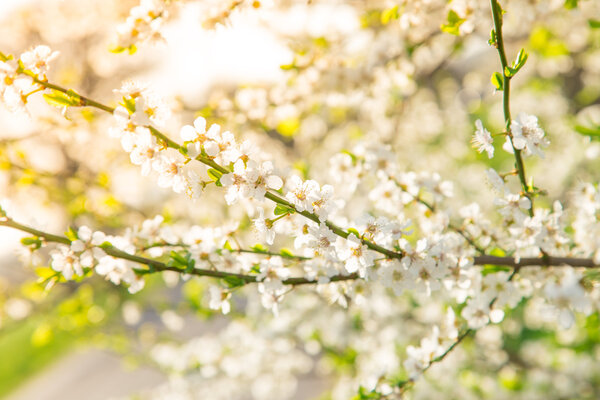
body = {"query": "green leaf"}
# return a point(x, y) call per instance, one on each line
point(352, 155)
point(116, 49)
point(592, 132)
point(594, 23)
point(570, 4)
point(544, 42)
point(352, 230)
point(178, 260)
point(106, 245)
point(60, 99)
point(71, 234)
point(259, 248)
point(290, 66)
point(32, 241)
point(286, 253)
point(281, 210)
point(453, 24)
point(517, 64)
point(288, 127)
point(497, 252)
point(214, 174)
point(498, 80)
point(492, 40)
point(492, 269)
point(129, 104)
point(227, 246)
point(389, 15)
point(234, 281)
point(4, 57)
point(191, 264)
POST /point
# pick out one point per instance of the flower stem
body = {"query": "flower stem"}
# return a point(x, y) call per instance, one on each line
point(497, 17)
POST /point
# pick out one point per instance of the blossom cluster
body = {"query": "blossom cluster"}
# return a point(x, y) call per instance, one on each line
point(85, 253)
point(16, 87)
point(143, 24)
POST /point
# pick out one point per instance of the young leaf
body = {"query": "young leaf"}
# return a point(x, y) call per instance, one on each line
point(453, 24)
point(259, 248)
point(60, 99)
point(594, 23)
point(281, 209)
point(32, 241)
point(71, 234)
point(286, 253)
point(214, 174)
point(497, 81)
point(234, 281)
point(389, 15)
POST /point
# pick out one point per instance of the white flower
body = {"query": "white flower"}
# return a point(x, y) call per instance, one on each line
point(219, 299)
point(148, 107)
point(265, 226)
point(568, 295)
point(302, 194)
point(482, 139)
point(495, 181)
point(116, 270)
point(420, 357)
point(272, 273)
point(497, 286)
point(356, 256)
point(527, 136)
point(13, 86)
point(250, 180)
point(86, 245)
point(477, 312)
point(323, 205)
point(37, 60)
point(65, 261)
point(171, 174)
point(511, 205)
point(393, 274)
point(318, 241)
point(196, 135)
point(145, 150)
point(387, 196)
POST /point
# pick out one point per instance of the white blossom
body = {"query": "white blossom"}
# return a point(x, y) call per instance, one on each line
point(482, 139)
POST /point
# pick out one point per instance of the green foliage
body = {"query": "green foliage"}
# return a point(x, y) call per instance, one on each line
point(571, 4)
point(282, 210)
point(453, 23)
point(389, 15)
point(288, 127)
point(544, 42)
point(214, 174)
point(33, 242)
point(60, 99)
point(233, 282)
point(182, 260)
point(259, 248)
point(517, 64)
point(71, 234)
point(593, 132)
point(365, 394)
point(286, 253)
point(497, 80)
